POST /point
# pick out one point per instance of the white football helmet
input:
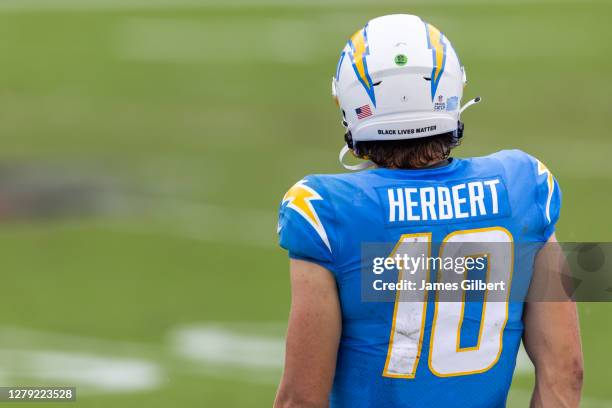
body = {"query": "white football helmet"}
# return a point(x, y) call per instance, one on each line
point(398, 78)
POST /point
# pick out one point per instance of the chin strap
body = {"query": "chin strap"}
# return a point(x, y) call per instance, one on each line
point(474, 101)
point(360, 166)
point(367, 164)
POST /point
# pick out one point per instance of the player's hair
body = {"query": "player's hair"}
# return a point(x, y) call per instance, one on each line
point(409, 153)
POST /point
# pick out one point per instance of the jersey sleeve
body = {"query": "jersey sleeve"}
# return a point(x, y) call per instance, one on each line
point(548, 198)
point(305, 223)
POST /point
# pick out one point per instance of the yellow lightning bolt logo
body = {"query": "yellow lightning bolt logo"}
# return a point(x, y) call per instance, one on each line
point(299, 198)
point(358, 52)
point(438, 52)
point(542, 169)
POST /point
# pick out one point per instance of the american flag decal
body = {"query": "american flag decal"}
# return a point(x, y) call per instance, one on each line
point(363, 112)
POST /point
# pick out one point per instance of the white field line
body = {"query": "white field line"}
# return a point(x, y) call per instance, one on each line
point(101, 366)
point(94, 373)
point(234, 351)
point(93, 365)
point(228, 348)
point(112, 5)
point(249, 352)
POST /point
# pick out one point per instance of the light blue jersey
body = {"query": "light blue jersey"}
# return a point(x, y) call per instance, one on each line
point(410, 354)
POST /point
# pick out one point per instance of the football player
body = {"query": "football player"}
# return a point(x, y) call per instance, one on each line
point(399, 84)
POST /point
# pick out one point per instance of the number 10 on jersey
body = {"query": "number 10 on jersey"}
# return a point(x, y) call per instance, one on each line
point(446, 357)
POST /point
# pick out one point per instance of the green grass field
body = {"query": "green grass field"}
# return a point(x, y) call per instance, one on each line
point(145, 147)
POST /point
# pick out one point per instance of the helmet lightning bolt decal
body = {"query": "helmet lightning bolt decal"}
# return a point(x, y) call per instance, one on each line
point(438, 52)
point(359, 50)
point(299, 198)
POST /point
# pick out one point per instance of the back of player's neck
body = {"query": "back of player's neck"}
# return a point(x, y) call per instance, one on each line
point(428, 166)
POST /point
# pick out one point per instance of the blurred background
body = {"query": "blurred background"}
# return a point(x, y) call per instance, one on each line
point(145, 146)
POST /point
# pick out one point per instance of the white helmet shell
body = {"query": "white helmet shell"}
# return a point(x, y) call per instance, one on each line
point(399, 78)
